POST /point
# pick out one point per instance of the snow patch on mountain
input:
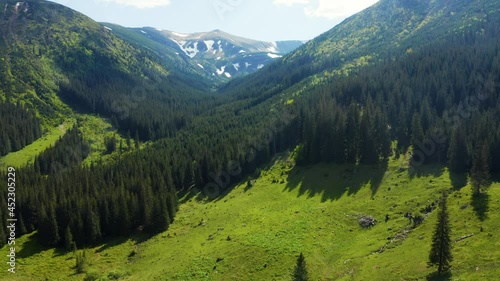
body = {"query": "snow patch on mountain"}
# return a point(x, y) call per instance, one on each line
point(201, 66)
point(236, 66)
point(221, 70)
point(247, 64)
point(228, 75)
point(273, 48)
point(210, 44)
point(260, 66)
point(190, 50)
point(273, 56)
point(179, 34)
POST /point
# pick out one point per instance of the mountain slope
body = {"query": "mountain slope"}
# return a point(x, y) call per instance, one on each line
point(54, 56)
point(387, 29)
point(216, 53)
point(165, 52)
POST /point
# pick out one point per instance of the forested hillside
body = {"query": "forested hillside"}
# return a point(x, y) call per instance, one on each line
point(19, 127)
point(53, 54)
point(419, 79)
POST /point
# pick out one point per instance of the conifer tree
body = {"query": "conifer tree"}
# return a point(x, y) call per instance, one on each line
point(68, 239)
point(457, 152)
point(480, 174)
point(48, 231)
point(440, 254)
point(81, 262)
point(3, 237)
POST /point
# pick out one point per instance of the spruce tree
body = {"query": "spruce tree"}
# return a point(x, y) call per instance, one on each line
point(300, 272)
point(68, 239)
point(457, 153)
point(480, 174)
point(440, 254)
point(81, 262)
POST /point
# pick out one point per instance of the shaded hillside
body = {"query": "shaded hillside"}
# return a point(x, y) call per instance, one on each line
point(51, 52)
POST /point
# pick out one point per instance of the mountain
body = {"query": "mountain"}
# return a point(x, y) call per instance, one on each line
point(53, 57)
point(387, 29)
point(216, 53)
point(368, 127)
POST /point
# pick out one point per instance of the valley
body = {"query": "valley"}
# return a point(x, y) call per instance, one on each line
point(145, 154)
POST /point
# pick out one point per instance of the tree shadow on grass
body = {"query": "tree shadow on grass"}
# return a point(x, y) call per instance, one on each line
point(417, 171)
point(333, 181)
point(480, 205)
point(31, 247)
point(221, 184)
point(458, 181)
point(435, 276)
point(112, 243)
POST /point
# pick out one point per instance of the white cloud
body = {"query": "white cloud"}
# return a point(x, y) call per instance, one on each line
point(289, 3)
point(141, 3)
point(334, 9)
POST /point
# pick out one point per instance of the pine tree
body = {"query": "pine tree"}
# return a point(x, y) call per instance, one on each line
point(440, 254)
point(457, 153)
point(368, 147)
point(480, 174)
point(136, 140)
point(48, 231)
point(300, 272)
point(417, 132)
point(68, 239)
point(129, 142)
point(3, 237)
point(81, 262)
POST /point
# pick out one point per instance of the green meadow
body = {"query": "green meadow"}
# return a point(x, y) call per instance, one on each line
point(256, 230)
point(28, 154)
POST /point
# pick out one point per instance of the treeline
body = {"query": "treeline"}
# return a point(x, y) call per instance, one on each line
point(344, 135)
point(18, 128)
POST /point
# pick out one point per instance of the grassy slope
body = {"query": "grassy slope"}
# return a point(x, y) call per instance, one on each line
point(27, 155)
point(94, 129)
point(270, 223)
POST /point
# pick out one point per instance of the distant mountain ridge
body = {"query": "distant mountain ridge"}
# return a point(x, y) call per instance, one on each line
point(216, 53)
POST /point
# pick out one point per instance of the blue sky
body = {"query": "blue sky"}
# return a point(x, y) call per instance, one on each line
point(267, 20)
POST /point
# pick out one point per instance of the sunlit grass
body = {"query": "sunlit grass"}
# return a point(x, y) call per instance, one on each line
point(256, 232)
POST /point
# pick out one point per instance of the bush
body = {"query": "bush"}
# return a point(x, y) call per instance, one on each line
point(116, 275)
point(132, 254)
point(91, 276)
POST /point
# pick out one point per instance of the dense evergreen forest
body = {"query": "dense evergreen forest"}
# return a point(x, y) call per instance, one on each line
point(441, 102)
point(68, 152)
point(19, 128)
